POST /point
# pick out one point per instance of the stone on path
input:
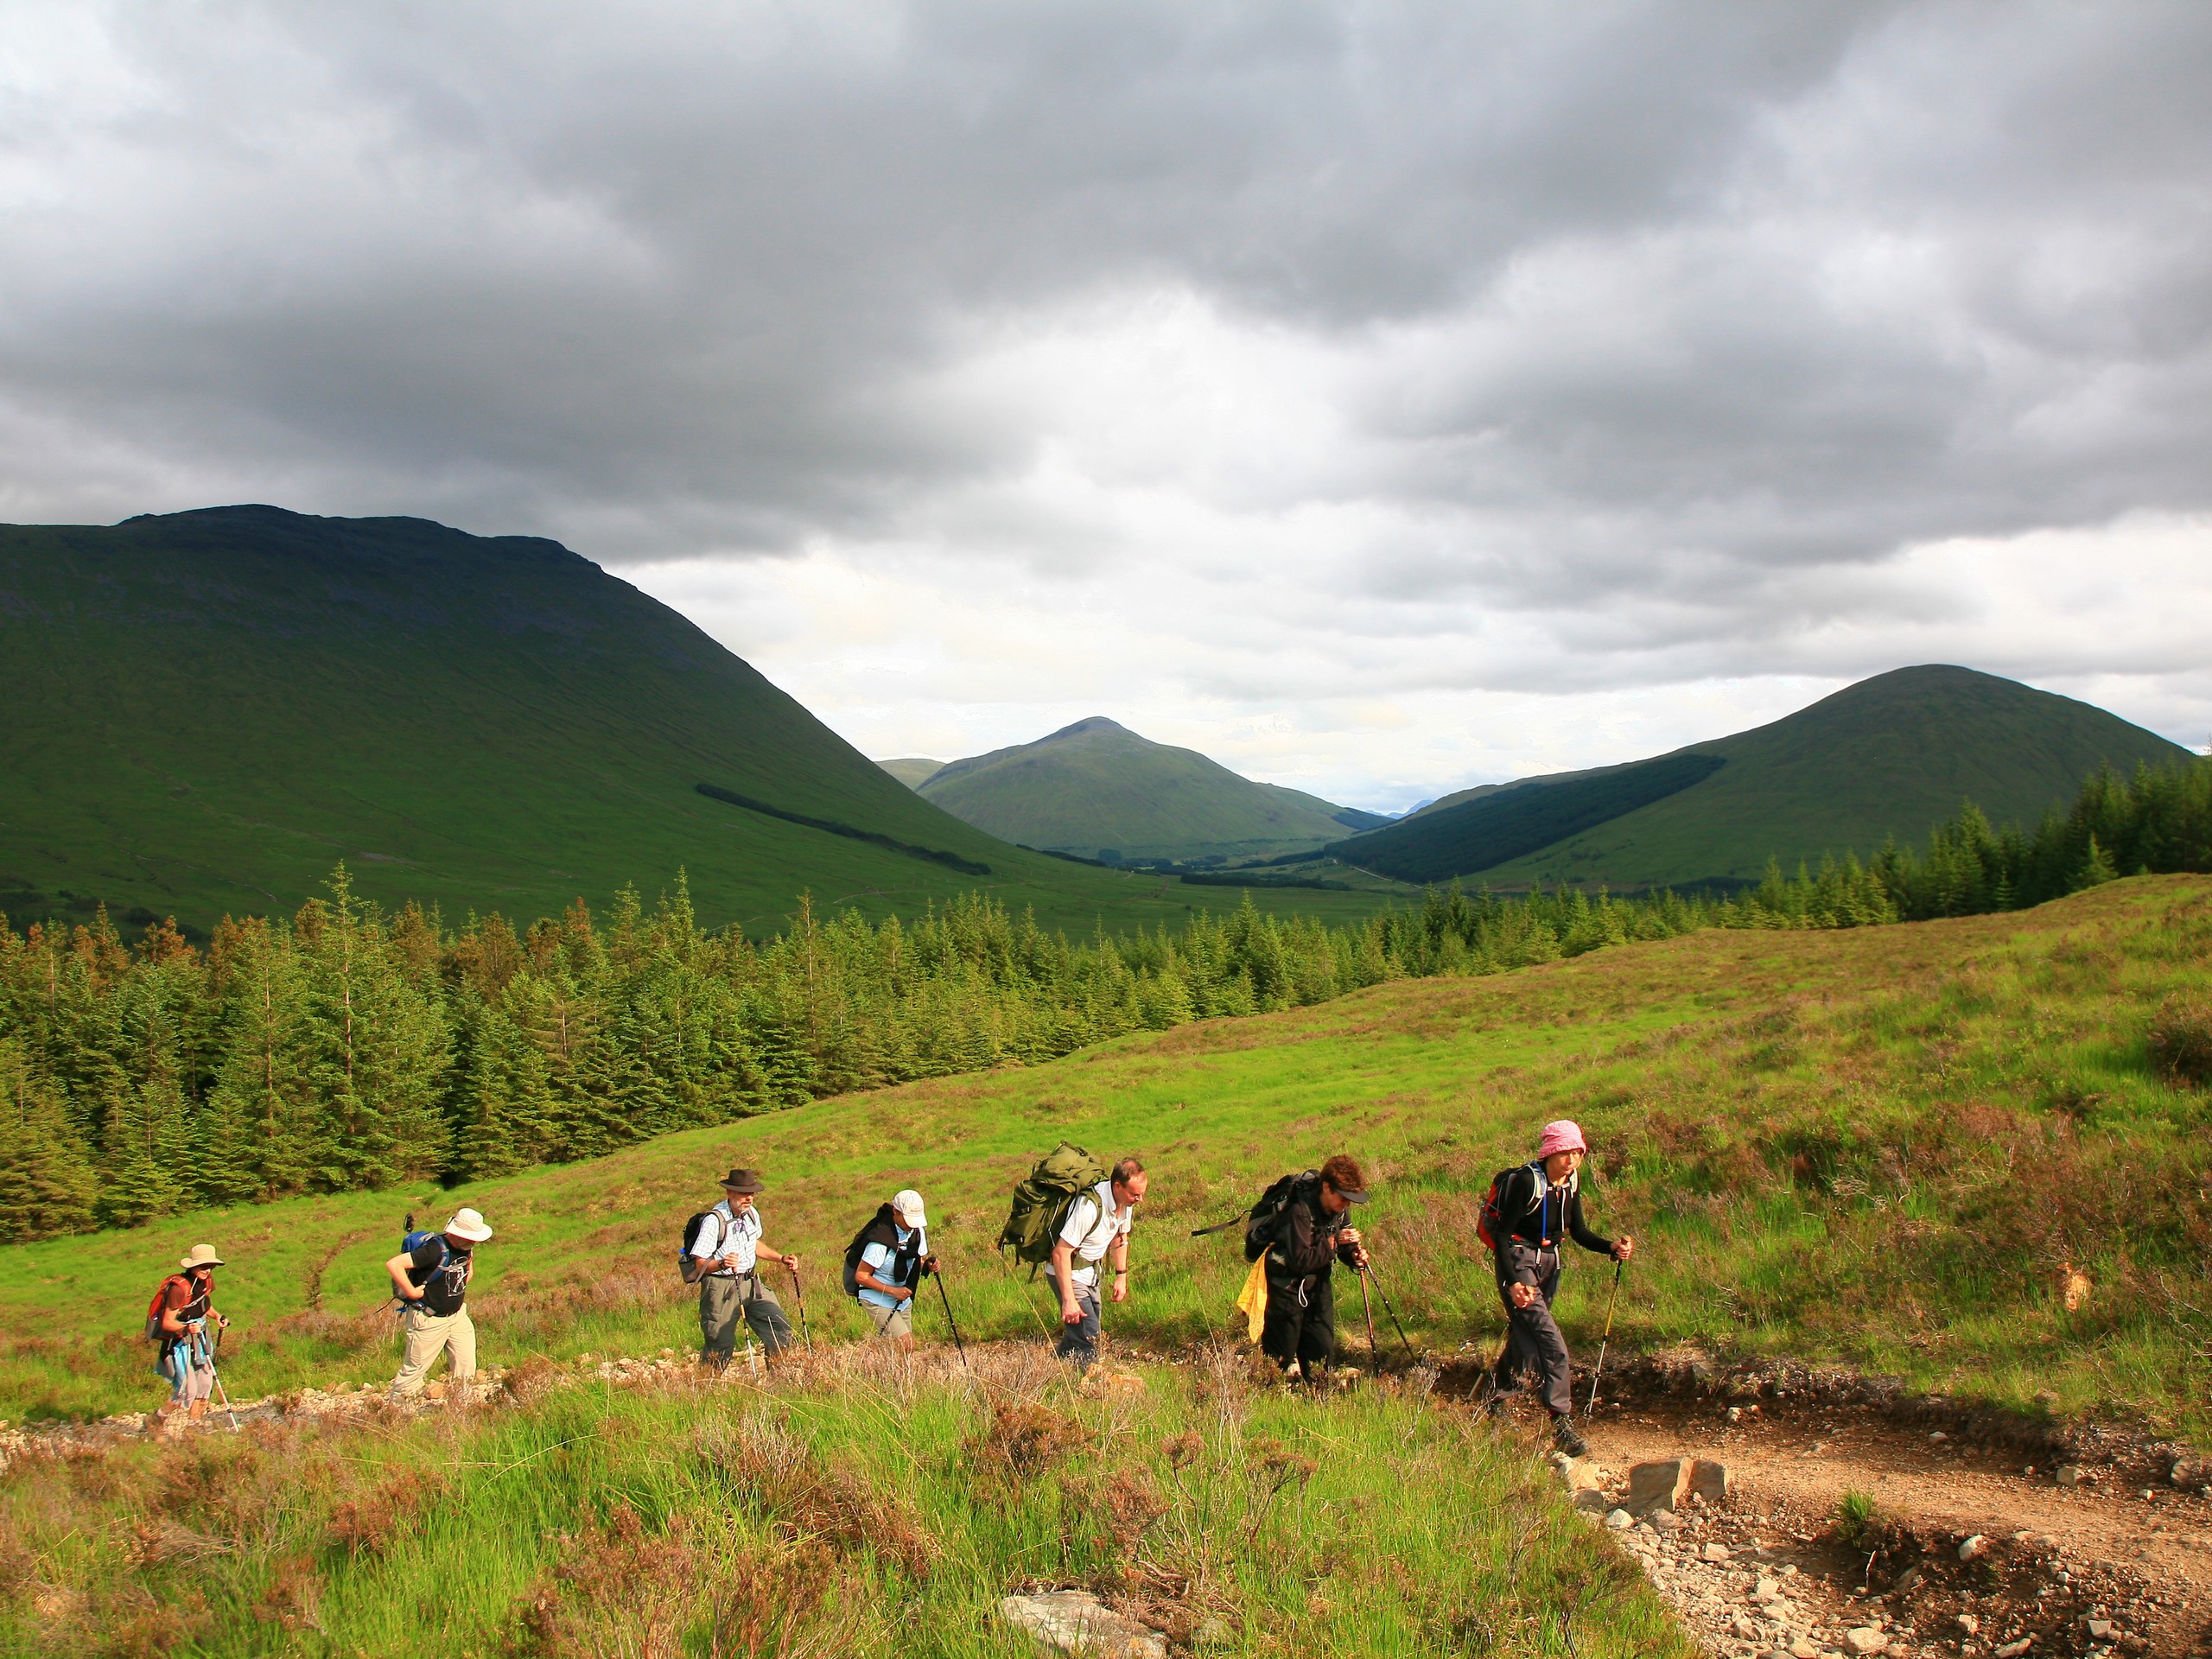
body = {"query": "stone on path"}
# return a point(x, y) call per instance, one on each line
point(1075, 1621)
point(2071, 1474)
point(1973, 1549)
point(1709, 1480)
point(1716, 1553)
point(1619, 1520)
point(1865, 1640)
point(1658, 1484)
point(2014, 1650)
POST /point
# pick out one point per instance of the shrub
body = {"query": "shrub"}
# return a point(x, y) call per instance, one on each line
point(1856, 1516)
point(2181, 1040)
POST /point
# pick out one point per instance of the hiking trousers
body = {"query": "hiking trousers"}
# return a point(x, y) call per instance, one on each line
point(725, 1298)
point(190, 1368)
point(1533, 1342)
point(1301, 1322)
point(1078, 1342)
point(428, 1335)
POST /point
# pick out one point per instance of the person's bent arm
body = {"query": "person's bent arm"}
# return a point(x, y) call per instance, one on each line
point(1582, 1236)
point(398, 1268)
point(897, 1293)
point(1063, 1276)
point(1117, 1256)
point(762, 1253)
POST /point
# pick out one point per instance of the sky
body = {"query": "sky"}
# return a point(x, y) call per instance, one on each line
point(1379, 398)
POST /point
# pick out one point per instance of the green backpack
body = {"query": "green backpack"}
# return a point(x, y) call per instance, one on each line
point(1042, 1202)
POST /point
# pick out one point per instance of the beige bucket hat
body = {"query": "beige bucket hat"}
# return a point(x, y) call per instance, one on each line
point(203, 1255)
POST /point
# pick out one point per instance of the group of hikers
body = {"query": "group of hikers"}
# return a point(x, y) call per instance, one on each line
point(1072, 1218)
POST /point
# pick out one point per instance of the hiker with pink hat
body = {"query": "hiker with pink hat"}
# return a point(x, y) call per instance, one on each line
point(1529, 1211)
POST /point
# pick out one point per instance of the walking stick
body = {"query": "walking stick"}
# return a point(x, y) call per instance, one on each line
point(946, 1296)
point(216, 1376)
point(1367, 1304)
point(1393, 1312)
point(1218, 1227)
point(1619, 1267)
point(799, 1291)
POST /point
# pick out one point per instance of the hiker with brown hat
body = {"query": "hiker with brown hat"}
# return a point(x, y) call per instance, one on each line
point(178, 1323)
point(1529, 1211)
point(432, 1280)
point(728, 1252)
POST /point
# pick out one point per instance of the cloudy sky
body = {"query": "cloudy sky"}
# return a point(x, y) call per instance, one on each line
point(1380, 398)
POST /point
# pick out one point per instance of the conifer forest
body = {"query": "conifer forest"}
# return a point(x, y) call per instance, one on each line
point(346, 1047)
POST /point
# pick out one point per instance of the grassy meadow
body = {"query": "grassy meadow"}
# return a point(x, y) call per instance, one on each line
point(1883, 1146)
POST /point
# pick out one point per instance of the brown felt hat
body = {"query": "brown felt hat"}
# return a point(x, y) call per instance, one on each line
point(744, 1180)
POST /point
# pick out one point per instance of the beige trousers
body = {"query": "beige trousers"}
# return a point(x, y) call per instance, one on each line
point(428, 1336)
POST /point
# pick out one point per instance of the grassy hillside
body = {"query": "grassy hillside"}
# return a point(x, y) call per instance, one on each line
point(1096, 786)
point(207, 710)
point(912, 770)
point(1893, 755)
point(1877, 1146)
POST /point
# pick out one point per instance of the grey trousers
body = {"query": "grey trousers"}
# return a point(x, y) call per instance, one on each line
point(1533, 1342)
point(1078, 1343)
point(724, 1298)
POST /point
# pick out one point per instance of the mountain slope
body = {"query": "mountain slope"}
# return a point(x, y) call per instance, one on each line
point(207, 710)
point(1096, 786)
point(912, 770)
point(1890, 756)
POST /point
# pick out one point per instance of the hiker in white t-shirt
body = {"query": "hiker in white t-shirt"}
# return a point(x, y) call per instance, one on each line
point(1097, 1229)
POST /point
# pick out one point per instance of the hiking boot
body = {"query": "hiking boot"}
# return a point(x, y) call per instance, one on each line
point(1566, 1439)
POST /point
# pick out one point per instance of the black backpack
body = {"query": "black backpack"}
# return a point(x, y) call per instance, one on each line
point(1265, 1218)
point(882, 1229)
point(693, 1267)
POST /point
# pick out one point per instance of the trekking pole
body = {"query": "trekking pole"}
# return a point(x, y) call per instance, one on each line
point(1367, 1304)
point(946, 1296)
point(215, 1376)
point(1619, 1267)
point(799, 1291)
point(1402, 1338)
point(1218, 1227)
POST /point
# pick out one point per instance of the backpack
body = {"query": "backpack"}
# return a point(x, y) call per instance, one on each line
point(412, 1238)
point(882, 1228)
point(1261, 1221)
point(153, 1332)
point(693, 1267)
point(1041, 1203)
point(1489, 1220)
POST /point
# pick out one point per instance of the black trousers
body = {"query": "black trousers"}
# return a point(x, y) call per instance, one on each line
point(1533, 1342)
point(1301, 1322)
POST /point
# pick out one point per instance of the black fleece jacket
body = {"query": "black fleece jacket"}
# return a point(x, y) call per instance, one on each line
point(1529, 1226)
point(1305, 1241)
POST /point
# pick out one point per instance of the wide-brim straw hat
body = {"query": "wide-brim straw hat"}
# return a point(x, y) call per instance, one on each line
point(747, 1181)
point(202, 1255)
point(467, 1223)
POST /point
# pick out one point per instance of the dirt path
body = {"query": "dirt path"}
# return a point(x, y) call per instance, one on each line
point(2115, 1564)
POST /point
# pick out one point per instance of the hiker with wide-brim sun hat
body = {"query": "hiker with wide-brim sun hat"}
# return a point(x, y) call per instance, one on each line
point(729, 1248)
point(178, 1324)
point(1530, 1210)
point(432, 1280)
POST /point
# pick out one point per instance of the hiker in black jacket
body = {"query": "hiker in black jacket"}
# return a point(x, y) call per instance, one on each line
point(1302, 1242)
point(1539, 1204)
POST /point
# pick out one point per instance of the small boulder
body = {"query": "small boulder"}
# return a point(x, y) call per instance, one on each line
point(2071, 1474)
point(1658, 1484)
point(1865, 1640)
point(1715, 1552)
point(1973, 1549)
point(2103, 1630)
point(1967, 1623)
point(1076, 1622)
point(1709, 1480)
point(1619, 1520)
point(1592, 1500)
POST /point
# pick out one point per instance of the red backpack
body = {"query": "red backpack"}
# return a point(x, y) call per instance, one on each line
point(1490, 1222)
point(153, 1332)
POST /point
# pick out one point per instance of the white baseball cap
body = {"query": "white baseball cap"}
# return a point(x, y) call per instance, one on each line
point(908, 1204)
point(467, 1223)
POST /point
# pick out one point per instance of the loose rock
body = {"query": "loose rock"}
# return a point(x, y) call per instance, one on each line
point(1075, 1621)
point(1973, 1549)
point(1865, 1640)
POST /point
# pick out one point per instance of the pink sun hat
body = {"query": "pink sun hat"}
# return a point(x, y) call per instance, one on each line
point(1564, 1135)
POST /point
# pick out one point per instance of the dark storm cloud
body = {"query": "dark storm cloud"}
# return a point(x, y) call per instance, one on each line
point(1636, 317)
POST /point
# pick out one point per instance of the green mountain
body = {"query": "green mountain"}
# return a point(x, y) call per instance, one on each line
point(206, 711)
point(1096, 788)
point(912, 770)
point(1890, 756)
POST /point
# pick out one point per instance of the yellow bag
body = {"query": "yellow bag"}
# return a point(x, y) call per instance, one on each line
point(1252, 1301)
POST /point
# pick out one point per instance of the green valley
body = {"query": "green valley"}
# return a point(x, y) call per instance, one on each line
point(206, 710)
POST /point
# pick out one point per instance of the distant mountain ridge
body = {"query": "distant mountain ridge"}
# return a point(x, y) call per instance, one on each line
point(1096, 787)
point(1892, 755)
point(206, 711)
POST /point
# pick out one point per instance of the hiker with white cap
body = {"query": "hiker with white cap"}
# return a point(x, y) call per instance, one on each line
point(729, 1251)
point(432, 1280)
point(1096, 1230)
point(1529, 1210)
point(885, 1265)
point(177, 1322)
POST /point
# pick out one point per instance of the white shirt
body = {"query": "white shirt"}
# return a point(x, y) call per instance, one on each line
point(1092, 1225)
point(876, 1258)
point(728, 1235)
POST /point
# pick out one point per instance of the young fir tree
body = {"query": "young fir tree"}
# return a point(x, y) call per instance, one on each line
point(46, 1170)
